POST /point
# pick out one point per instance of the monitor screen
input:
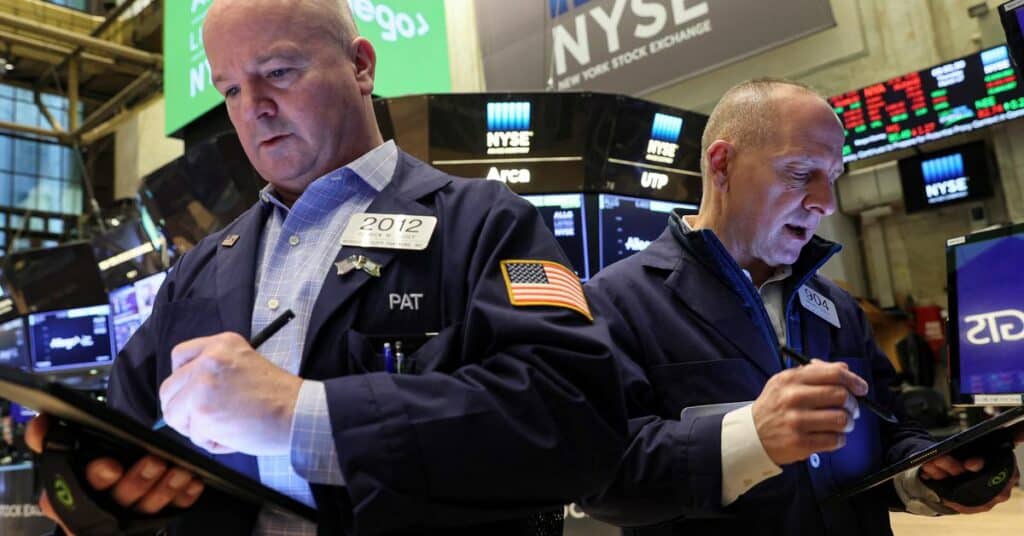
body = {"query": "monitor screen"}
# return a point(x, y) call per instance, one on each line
point(986, 316)
point(1012, 16)
point(61, 277)
point(565, 215)
point(13, 344)
point(20, 414)
point(946, 177)
point(530, 141)
point(130, 306)
point(962, 95)
point(70, 338)
point(629, 224)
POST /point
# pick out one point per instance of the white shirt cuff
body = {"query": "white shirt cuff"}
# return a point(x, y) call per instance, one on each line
point(313, 453)
point(745, 463)
point(918, 498)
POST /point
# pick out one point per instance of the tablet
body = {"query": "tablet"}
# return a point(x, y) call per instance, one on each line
point(62, 402)
point(1007, 418)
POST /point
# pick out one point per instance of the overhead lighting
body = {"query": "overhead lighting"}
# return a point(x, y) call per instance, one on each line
point(8, 66)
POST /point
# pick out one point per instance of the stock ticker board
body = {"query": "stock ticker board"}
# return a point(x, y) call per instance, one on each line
point(959, 96)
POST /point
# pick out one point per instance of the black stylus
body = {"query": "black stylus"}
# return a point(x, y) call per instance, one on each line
point(267, 332)
point(882, 413)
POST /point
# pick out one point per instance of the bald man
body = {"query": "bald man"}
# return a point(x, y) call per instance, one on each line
point(413, 393)
point(728, 436)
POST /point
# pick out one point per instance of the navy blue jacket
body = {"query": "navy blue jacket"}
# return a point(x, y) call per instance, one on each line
point(690, 329)
point(514, 409)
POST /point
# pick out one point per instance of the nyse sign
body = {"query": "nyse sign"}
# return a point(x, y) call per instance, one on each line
point(1005, 325)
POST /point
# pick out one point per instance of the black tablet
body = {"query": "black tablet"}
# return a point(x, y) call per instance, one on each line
point(1007, 418)
point(64, 403)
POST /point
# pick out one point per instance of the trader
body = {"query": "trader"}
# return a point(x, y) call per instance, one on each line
point(507, 402)
point(698, 318)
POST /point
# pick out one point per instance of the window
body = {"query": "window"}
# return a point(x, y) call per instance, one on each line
point(80, 5)
point(35, 173)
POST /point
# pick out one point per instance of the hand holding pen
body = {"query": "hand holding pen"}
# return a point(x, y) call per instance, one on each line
point(226, 397)
point(807, 410)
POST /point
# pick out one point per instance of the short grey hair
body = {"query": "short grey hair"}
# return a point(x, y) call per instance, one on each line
point(745, 114)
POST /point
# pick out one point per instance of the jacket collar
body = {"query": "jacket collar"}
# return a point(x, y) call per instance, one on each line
point(703, 276)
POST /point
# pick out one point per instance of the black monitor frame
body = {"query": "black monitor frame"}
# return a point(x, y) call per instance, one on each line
point(957, 396)
point(1012, 16)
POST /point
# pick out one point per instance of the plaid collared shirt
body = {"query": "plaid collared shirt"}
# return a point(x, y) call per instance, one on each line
point(296, 252)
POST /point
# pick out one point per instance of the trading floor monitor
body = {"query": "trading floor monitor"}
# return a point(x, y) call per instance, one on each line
point(986, 317)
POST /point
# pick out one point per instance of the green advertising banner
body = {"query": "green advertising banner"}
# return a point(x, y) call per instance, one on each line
point(410, 37)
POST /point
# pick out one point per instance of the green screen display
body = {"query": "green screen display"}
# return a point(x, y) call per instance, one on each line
point(410, 38)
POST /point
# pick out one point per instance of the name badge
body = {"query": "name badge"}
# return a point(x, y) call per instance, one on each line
point(814, 302)
point(389, 231)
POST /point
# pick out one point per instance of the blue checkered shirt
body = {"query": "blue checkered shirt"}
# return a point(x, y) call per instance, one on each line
point(296, 252)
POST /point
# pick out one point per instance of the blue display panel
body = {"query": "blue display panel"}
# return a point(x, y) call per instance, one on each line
point(131, 305)
point(987, 314)
point(565, 215)
point(70, 338)
point(13, 344)
point(627, 225)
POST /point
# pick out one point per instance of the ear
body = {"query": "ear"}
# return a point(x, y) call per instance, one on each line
point(365, 59)
point(720, 157)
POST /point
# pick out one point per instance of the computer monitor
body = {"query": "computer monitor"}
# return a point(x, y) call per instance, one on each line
point(70, 339)
point(565, 215)
point(627, 225)
point(13, 344)
point(986, 317)
point(1012, 16)
point(130, 306)
point(956, 175)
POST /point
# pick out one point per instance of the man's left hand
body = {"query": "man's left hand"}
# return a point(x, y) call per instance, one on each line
point(226, 397)
point(947, 466)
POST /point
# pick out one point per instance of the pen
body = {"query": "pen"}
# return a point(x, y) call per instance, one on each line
point(882, 413)
point(389, 358)
point(261, 337)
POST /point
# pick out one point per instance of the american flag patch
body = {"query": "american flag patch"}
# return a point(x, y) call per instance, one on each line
point(544, 283)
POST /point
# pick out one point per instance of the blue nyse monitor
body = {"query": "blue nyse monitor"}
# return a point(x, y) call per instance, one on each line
point(131, 305)
point(565, 215)
point(13, 344)
point(629, 224)
point(70, 339)
point(986, 312)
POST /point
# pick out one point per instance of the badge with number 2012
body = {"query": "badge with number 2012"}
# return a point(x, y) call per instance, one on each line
point(389, 231)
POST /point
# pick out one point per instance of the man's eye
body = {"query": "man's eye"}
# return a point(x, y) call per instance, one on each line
point(231, 91)
point(277, 73)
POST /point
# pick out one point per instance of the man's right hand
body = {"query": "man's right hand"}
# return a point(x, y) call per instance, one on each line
point(806, 410)
point(147, 487)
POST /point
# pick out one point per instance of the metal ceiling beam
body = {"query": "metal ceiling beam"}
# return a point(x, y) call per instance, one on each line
point(89, 43)
point(62, 137)
point(96, 32)
point(130, 91)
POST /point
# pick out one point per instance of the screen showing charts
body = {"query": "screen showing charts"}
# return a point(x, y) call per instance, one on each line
point(565, 215)
point(629, 224)
point(130, 306)
point(987, 306)
point(70, 338)
point(960, 96)
point(13, 344)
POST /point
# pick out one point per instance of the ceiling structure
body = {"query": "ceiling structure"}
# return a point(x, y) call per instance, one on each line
point(107, 63)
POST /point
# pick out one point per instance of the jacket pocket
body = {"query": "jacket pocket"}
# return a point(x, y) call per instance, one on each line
point(680, 385)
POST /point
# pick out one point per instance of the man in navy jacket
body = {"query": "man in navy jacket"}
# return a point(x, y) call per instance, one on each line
point(698, 318)
point(508, 401)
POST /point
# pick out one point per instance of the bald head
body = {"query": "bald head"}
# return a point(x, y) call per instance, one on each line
point(327, 19)
point(749, 113)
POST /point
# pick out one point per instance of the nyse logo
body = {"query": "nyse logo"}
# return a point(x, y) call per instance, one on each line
point(654, 181)
point(665, 132)
point(944, 178)
point(508, 128)
point(509, 176)
point(995, 327)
